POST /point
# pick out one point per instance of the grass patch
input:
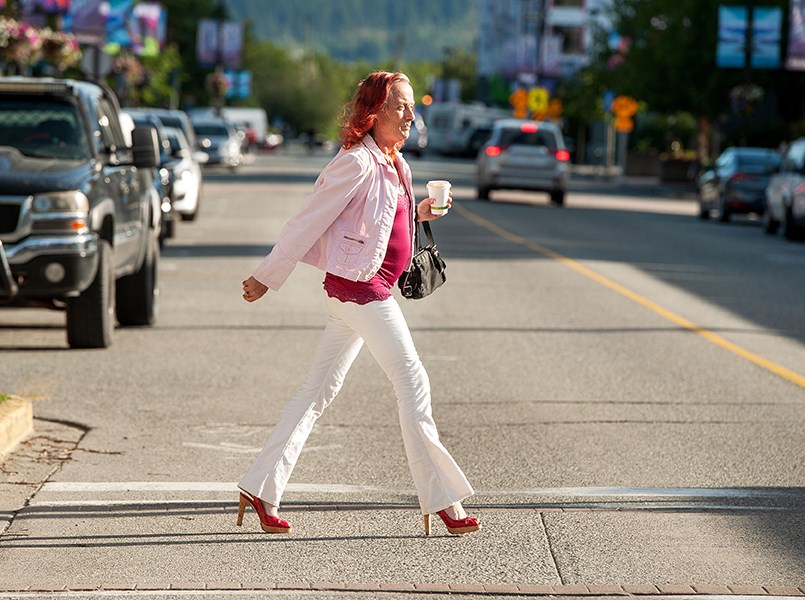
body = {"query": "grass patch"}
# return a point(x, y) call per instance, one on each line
point(4, 397)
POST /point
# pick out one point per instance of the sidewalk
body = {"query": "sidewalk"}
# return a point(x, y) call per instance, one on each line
point(594, 179)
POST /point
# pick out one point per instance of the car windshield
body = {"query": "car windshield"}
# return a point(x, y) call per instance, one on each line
point(518, 137)
point(43, 128)
point(758, 162)
point(211, 129)
point(168, 121)
point(175, 142)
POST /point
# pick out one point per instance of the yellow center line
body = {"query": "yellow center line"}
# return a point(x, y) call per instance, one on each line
point(710, 336)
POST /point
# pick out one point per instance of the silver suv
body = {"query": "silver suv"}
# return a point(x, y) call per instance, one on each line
point(524, 155)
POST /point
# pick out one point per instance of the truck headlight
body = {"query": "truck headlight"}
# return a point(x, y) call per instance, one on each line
point(61, 202)
point(60, 211)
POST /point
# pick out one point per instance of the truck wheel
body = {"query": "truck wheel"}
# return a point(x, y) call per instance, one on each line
point(483, 192)
point(91, 316)
point(790, 230)
point(724, 214)
point(770, 224)
point(558, 198)
point(137, 294)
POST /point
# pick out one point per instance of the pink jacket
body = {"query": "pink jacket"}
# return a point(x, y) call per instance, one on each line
point(344, 226)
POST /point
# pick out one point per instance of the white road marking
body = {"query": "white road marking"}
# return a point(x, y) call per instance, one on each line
point(189, 486)
point(238, 449)
point(60, 487)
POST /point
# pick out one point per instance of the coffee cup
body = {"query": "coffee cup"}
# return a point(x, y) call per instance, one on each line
point(439, 190)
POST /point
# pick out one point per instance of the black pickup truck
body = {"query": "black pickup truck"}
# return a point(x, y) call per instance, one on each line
point(78, 222)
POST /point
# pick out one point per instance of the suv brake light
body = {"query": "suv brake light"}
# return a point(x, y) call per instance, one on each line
point(493, 151)
point(562, 155)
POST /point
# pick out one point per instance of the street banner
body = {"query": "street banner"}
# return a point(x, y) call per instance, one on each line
point(232, 40)
point(150, 21)
point(207, 43)
point(45, 7)
point(86, 21)
point(36, 12)
point(119, 29)
point(795, 60)
point(240, 84)
point(732, 28)
point(211, 34)
point(767, 24)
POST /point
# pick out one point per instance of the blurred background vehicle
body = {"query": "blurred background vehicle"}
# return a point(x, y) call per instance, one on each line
point(251, 122)
point(220, 140)
point(450, 124)
point(785, 194)
point(417, 136)
point(476, 139)
point(524, 155)
point(172, 118)
point(185, 176)
point(736, 184)
point(162, 174)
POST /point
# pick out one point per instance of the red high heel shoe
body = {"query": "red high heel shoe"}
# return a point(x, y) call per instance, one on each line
point(269, 523)
point(454, 526)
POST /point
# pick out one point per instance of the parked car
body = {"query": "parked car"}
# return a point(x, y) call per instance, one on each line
point(161, 179)
point(185, 176)
point(78, 227)
point(736, 184)
point(785, 195)
point(417, 136)
point(171, 118)
point(524, 155)
point(220, 140)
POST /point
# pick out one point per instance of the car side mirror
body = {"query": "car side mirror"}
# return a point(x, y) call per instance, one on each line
point(201, 157)
point(145, 147)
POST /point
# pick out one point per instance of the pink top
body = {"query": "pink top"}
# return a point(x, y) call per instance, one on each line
point(394, 263)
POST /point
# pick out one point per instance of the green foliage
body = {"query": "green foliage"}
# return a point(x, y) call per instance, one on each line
point(669, 66)
point(669, 133)
point(462, 65)
point(158, 90)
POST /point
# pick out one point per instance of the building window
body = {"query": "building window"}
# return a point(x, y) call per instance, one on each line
point(572, 39)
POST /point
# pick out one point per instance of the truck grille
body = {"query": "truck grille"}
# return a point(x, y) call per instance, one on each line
point(9, 216)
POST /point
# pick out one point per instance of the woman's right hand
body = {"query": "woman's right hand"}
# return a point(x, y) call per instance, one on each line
point(253, 290)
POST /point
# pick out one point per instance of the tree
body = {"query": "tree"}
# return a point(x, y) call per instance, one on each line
point(182, 30)
point(666, 59)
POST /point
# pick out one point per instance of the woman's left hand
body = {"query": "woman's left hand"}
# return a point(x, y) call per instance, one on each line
point(423, 209)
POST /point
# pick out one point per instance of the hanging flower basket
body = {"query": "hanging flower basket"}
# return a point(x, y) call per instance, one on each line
point(128, 67)
point(218, 84)
point(20, 43)
point(60, 49)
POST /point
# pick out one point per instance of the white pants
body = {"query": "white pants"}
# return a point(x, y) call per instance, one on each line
point(438, 479)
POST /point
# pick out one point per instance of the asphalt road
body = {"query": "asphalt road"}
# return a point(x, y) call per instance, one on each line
point(622, 383)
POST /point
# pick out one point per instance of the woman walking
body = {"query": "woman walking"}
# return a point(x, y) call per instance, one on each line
point(358, 227)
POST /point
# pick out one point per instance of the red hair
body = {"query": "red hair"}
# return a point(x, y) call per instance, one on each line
point(361, 113)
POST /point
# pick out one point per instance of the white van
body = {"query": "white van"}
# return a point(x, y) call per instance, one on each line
point(450, 124)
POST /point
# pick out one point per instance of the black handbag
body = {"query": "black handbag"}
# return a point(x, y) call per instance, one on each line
point(427, 268)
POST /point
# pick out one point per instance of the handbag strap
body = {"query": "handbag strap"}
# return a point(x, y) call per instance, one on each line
point(428, 233)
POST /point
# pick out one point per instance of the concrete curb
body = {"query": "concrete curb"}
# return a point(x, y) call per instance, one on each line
point(16, 422)
point(474, 590)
